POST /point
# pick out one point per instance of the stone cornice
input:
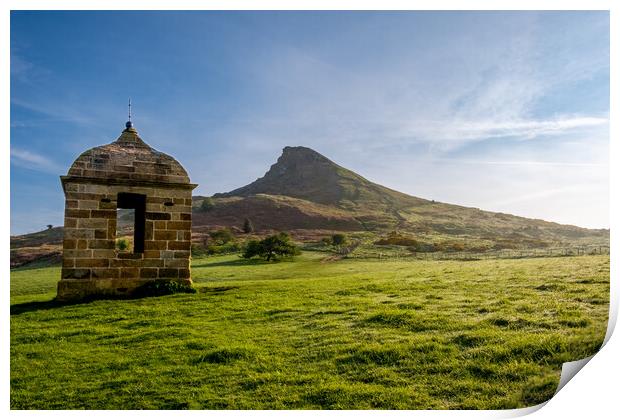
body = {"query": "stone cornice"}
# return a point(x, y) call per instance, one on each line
point(128, 182)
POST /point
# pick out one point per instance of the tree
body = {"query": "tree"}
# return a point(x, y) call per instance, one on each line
point(252, 248)
point(207, 204)
point(49, 227)
point(222, 236)
point(271, 248)
point(248, 227)
point(338, 239)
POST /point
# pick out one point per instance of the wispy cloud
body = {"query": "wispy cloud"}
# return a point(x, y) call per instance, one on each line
point(453, 133)
point(542, 194)
point(63, 111)
point(522, 163)
point(470, 107)
point(24, 70)
point(20, 67)
point(34, 161)
point(491, 91)
point(532, 128)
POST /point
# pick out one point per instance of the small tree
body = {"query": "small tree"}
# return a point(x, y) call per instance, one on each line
point(222, 236)
point(207, 204)
point(252, 248)
point(248, 227)
point(338, 239)
point(271, 248)
point(49, 227)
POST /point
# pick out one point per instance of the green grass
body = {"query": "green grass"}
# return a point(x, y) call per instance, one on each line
point(308, 334)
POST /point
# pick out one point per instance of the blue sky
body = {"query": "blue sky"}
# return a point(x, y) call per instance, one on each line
point(504, 111)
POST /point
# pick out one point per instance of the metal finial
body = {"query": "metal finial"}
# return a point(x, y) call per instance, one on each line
point(129, 124)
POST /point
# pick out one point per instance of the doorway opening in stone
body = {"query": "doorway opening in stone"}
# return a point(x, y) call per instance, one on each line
point(131, 217)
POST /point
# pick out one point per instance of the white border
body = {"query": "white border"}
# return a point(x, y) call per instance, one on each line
point(592, 393)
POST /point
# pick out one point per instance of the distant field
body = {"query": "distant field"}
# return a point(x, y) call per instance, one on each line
point(310, 334)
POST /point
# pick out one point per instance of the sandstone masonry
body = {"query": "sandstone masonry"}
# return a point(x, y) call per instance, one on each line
point(124, 174)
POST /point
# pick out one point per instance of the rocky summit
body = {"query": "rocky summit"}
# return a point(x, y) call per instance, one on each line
point(306, 190)
point(307, 193)
point(303, 173)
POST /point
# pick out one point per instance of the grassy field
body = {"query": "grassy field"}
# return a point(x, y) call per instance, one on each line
point(308, 334)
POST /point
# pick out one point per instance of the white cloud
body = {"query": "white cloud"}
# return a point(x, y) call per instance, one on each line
point(57, 111)
point(539, 195)
point(474, 88)
point(20, 67)
point(449, 134)
point(401, 105)
point(34, 161)
point(522, 163)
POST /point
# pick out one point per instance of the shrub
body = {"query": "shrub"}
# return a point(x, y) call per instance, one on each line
point(207, 204)
point(438, 246)
point(222, 236)
point(422, 247)
point(161, 288)
point(248, 227)
point(227, 248)
point(199, 250)
point(271, 248)
point(338, 239)
point(122, 244)
point(454, 246)
point(395, 238)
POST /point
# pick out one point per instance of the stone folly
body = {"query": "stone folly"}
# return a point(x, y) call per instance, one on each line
point(125, 174)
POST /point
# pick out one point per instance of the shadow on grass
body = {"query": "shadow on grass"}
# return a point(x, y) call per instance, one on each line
point(20, 308)
point(36, 264)
point(216, 290)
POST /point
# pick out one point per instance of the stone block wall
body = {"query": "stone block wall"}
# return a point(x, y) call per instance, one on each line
point(91, 264)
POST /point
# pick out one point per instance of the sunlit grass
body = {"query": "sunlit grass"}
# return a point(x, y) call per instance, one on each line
point(310, 334)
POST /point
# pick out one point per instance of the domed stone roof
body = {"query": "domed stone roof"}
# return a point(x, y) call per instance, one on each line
point(128, 158)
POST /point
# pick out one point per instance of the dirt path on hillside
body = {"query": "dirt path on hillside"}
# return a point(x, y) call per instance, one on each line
point(332, 258)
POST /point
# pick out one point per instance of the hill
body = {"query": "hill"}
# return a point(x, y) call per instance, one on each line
point(302, 173)
point(43, 247)
point(308, 194)
point(304, 189)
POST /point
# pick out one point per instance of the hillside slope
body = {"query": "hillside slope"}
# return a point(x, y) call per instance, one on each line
point(319, 191)
point(304, 190)
point(301, 172)
point(276, 212)
point(45, 245)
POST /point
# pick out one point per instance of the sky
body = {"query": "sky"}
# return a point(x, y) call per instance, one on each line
point(503, 111)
